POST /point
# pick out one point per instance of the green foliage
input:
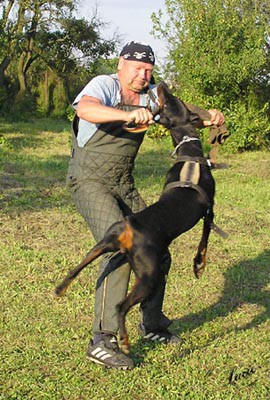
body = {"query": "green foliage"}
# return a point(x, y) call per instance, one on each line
point(37, 36)
point(3, 98)
point(157, 131)
point(219, 57)
point(59, 100)
point(24, 107)
point(70, 113)
point(250, 128)
point(104, 66)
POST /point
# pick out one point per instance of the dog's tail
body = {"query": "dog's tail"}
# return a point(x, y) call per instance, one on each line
point(118, 237)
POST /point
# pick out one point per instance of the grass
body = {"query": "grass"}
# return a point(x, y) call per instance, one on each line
point(223, 318)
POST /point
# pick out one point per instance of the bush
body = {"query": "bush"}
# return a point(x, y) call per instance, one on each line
point(249, 128)
point(59, 100)
point(157, 131)
point(70, 112)
point(23, 108)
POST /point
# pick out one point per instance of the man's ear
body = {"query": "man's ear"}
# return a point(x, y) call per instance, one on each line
point(120, 63)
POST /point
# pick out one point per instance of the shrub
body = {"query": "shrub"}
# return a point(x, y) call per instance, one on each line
point(249, 128)
point(23, 108)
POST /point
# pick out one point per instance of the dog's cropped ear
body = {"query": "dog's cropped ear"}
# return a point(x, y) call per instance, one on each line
point(163, 91)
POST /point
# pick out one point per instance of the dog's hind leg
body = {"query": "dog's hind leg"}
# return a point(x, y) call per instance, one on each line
point(147, 270)
point(61, 289)
point(200, 258)
point(139, 292)
point(110, 243)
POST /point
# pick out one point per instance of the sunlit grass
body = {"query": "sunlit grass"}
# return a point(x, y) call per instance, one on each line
point(223, 318)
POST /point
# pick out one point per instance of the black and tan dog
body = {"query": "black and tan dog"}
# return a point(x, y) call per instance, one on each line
point(188, 196)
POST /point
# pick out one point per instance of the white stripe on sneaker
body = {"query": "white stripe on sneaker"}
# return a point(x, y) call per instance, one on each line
point(105, 356)
point(101, 354)
point(149, 335)
point(162, 338)
point(154, 337)
point(94, 352)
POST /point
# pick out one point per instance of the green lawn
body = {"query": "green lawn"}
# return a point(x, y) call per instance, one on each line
point(223, 318)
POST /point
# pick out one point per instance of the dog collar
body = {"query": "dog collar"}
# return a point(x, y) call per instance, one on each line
point(185, 139)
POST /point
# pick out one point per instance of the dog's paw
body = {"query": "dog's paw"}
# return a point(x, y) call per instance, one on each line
point(59, 292)
point(125, 347)
point(199, 265)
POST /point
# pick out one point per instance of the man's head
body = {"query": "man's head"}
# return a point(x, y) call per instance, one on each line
point(135, 65)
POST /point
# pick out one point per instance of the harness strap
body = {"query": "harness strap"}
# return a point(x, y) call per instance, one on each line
point(190, 172)
point(200, 160)
point(215, 165)
point(218, 231)
point(205, 199)
point(203, 161)
point(185, 184)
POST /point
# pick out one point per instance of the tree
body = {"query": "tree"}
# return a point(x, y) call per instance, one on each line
point(76, 42)
point(47, 33)
point(9, 34)
point(219, 52)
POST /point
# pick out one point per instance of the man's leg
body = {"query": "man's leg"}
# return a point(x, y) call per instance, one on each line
point(100, 209)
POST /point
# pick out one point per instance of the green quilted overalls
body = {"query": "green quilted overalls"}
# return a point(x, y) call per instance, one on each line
point(102, 187)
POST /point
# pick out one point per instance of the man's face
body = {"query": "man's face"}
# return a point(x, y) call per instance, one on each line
point(134, 75)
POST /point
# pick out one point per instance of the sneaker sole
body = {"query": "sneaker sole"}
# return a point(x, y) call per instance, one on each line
point(120, 367)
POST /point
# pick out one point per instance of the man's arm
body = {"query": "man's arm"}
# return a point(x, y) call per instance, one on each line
point(92, 110)
point(207, 117)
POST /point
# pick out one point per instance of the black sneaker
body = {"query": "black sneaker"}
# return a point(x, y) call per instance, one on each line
point(161, 335)
point(106, 352)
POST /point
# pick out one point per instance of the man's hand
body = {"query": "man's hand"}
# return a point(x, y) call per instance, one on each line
point(141, 116)
point(217, 118)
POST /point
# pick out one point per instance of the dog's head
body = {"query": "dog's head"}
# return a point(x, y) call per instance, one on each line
point(173, 112)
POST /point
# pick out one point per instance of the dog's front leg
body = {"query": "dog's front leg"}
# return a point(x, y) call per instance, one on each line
point(200, 258)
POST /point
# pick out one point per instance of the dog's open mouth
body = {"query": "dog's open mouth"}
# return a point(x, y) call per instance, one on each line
point(165, 122)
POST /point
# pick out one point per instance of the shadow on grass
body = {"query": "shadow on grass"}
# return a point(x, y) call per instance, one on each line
point(27, 182)
point(246, 282)
point(36, 127)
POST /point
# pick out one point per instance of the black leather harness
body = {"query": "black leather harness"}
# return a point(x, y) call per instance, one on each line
point(187, 183)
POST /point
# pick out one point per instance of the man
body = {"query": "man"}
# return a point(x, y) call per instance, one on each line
point(102, 187)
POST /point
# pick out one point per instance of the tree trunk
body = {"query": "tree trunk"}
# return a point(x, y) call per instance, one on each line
point(46, 92)
point(21, 74)
point(16, 31)
point(3, 66)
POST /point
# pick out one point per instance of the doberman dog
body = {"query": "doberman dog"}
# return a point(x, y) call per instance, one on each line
point(145, 236)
